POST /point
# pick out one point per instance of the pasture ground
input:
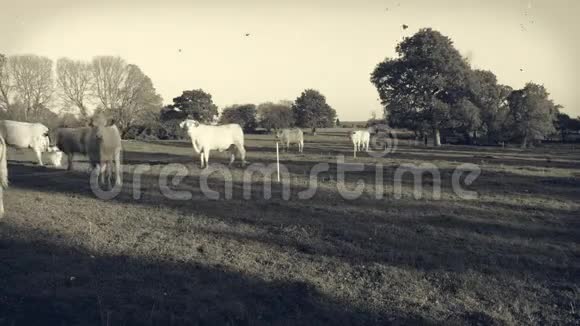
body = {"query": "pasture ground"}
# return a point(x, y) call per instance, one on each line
point(509, 257)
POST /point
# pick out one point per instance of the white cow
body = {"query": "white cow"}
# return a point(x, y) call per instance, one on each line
point(291, 136)
point(23, 135)
point(360, 140)
point(206, 138)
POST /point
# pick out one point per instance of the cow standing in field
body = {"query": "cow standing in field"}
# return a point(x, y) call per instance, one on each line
point(206, 138)
point(291, 136)
point(24, 135)
point(360, 140)
point(102, 145)
point(3, 174)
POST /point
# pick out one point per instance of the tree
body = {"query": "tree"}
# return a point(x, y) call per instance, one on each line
point(491, 98)
point(311, 110)
point(74, 80)
point(532, 113)
point(6, 86)
point(125, 93)
point(244, 115)
point(466, 118)
point(337, 123)
point(422, 85)
point(109, 74)
point(565, 124)
point(275, 116)
point(196, 104)
point(33, 81)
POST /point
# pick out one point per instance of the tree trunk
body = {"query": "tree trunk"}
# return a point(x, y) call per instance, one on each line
point(436, 137)
point(475, 137)
point(525, 142)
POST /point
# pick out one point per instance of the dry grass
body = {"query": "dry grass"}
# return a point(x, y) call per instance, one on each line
point(511, 257)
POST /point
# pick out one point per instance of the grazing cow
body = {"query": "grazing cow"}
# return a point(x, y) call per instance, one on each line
point(291, 136)
point(206, 138)
point(22, 135)
point(102, 145)
point(3, 174)
point(360, 140)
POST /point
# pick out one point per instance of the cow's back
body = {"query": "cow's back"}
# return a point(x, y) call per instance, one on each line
point(294, 135)
point(21, 134)
point(219, 137)
point(73, 140)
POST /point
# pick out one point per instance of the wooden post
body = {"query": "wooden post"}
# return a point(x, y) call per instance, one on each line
point(277, 161)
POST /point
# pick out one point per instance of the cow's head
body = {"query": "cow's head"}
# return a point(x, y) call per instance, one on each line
point(187, 124)
point(278, 134)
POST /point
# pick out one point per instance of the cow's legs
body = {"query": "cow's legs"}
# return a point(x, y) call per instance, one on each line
point(102, 172)
point(242, 152)
point(69, 158)
point(118, 180)
point(206, 159)
point(201, 158)
point(354, 150)
point(38, 156)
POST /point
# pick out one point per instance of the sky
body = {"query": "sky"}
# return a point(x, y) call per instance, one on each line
point(331, 46)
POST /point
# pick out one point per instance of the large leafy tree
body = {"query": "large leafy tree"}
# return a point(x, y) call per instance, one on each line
point(311, 110)
point(565, 124)
point(420, 87)
point(196, 104)
point(244, 115)
point(466, 119)
point(491, 99)
point(532, 113)
point(275, 116)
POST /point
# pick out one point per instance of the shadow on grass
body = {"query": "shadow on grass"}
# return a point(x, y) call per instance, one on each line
point(417, 234)
point(48, 281)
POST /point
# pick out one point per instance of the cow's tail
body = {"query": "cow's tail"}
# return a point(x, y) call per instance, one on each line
point(3, 164)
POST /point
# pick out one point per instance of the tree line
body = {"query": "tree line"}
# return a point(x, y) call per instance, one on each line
point(430, 88)
point(32, 88)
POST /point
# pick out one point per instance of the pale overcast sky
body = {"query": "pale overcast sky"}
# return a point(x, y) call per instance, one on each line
point(331, 46)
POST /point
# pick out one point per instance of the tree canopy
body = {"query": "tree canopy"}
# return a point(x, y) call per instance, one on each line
point(275, 115)
point(196, 104)
point(419, 88)
point(311, 110)
point(244, 115)
point(532, 113)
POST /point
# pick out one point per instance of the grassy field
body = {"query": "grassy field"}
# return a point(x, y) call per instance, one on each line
point(509, 257)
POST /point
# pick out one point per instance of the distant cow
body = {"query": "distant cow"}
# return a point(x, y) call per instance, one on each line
point(23, 135)
point(360, 140)
point(206, 138)
point(291, 136)
point(102, 145)
point(3, 174)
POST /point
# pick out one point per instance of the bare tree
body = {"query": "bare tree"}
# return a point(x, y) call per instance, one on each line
point(6, 87)
point(33, 81)
point(109, 75)
point(125, 92)
point(74, 79)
